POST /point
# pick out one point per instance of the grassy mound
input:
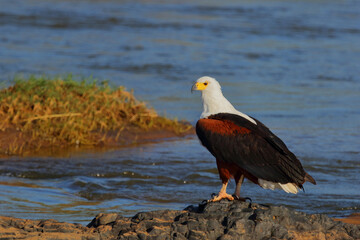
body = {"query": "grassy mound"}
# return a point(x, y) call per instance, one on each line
point(51, 111)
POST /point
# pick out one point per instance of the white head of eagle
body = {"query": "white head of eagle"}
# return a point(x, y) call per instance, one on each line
point(243, 146)
point(213, 99)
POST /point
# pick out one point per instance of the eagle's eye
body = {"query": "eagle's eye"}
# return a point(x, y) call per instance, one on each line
point(205, 83)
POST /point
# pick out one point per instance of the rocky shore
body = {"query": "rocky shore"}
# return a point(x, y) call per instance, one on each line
point(220, 220)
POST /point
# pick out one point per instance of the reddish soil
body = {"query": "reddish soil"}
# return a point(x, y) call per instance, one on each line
point(13, 139)
point(352, 219)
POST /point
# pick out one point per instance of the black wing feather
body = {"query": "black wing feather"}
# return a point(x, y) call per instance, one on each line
point(260, 152)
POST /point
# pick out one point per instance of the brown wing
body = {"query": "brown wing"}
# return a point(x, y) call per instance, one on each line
point(254, 148)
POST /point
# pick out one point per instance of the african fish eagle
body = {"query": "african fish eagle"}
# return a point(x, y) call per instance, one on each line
point(243, 146)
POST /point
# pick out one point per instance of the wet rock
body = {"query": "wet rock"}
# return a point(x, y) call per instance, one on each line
point(103, 219)
point(219, 220)
point(234, 220)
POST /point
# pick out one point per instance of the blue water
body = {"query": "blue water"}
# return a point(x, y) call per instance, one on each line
point(294, 65)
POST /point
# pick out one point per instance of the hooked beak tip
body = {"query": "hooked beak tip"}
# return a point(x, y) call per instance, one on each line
point(193, 88)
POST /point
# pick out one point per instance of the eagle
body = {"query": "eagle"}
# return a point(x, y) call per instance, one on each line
point(244, 147)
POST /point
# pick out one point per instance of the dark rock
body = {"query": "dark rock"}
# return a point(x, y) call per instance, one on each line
point(219, 220)
point(240, 220)
point(196, 235)
point(103, 219)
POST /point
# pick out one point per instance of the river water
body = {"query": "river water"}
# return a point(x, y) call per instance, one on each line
point(294, 65)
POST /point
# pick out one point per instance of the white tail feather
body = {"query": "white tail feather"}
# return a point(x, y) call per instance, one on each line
point(287, 187)
point(267, 184)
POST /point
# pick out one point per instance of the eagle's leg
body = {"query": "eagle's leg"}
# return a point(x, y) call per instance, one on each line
point(239, 179)
point(224, 176)
point(222, 194)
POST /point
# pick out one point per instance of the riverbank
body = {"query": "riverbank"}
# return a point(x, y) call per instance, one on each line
point(220, 220)
point(40, 113)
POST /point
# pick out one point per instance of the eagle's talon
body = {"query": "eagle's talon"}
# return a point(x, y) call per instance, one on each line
point(250, 203)
point(239, 198)
point(247, 198)
point(220, 196)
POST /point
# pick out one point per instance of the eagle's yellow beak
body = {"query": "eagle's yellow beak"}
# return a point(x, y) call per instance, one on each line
point(199, 86)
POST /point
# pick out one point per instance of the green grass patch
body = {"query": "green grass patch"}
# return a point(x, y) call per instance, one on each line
point(50, 111)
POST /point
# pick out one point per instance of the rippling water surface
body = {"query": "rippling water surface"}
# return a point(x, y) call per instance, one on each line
point(293, 65)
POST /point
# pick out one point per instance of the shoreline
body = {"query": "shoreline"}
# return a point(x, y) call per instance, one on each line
point(219, 220)
point(129, 137)
point(353, 218)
